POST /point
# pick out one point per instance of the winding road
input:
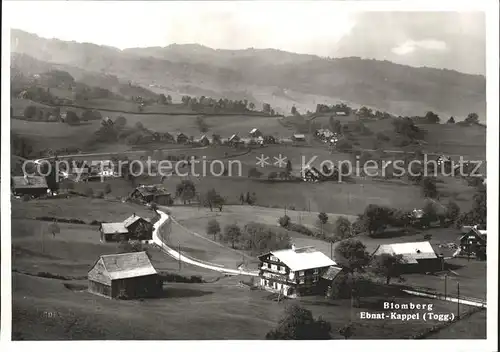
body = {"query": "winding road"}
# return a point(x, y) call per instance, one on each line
point(164, 219)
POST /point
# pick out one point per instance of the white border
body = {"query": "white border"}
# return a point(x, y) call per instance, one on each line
point(491, 8)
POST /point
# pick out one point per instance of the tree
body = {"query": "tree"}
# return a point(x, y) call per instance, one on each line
point(162, 99)
point(139, 126)
point(72, 118)
point(213, 228)
point(251, 106)
point(266, 108)
point(388, 266)
point(431, 117)
point(53, 228)
point(451, 120)
point(242, 198)
point(30, 112)
point(343, 228)
point(232, 234)
point(323, 218)
point(288, 167)
point(186, 190)
point(120, 122)
point(213, 199)
point(452, 211)
point(299, 324)
point(472, 118)
point(351, 255)
point(284, 221)
point(253, 172)
point(429, 187)
point(250, 198)
point(375, 218)
point(169, 99)
point(154, 207)
point(294, 110)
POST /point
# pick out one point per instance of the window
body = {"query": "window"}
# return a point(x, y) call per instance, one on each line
point(274, 267)
point(301, 273)
point(264, 265)
point(283, 269)
point(316, 271)
point(301, 281)
point(315, 279)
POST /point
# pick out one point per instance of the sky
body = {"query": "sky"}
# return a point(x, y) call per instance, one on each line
point(438, 39)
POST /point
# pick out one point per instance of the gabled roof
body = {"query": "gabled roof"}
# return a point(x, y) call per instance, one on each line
point(29, 182)
point(411, 251)
point(299, 136)
point(127, 265)
point(331, 273)
point(254, 130)
point(113, 227)
point(132, 220)
point(302, 258)
point(234, 137)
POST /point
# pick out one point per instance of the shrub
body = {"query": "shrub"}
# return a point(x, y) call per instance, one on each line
point(284, 221)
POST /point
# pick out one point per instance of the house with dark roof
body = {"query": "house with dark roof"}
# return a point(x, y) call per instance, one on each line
point(181, 138)
point(295, 272)
point(417, 256)
point(203, 140)
point(473, 243)
point(30, 185)
point(125, 276)
point(255, 132)
point(298, 137)
point(152, 193)
point(132, 228)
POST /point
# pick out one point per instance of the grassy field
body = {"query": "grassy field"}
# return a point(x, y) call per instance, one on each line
point(221, 310)
point(86, 209)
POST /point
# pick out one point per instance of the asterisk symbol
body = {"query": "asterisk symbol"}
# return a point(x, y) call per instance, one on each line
point(262, 161)
point(280, 161)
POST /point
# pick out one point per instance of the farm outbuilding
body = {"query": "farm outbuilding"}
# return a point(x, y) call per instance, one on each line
point(30, 185)
point(126, 276)
point(152, 193)
point(132, 228)
point(417, 256)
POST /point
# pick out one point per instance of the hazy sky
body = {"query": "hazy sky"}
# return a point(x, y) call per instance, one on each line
point(450, 40)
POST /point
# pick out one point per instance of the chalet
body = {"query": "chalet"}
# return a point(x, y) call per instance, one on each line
point(417, 256)
point(234, 139)
point(259, 140)
point(255, 133)
point(294, 272)
point(125, 276)
point(473, 242)
point(152, 193)
point(203, 140)
point(181, 138)
point(299, 138)
point(132, 228)
point(30, 185)
point(311, 174)
point(106, 121)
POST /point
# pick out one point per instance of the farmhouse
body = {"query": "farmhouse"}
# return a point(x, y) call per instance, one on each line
point(417, 256)
point(30, 185)
point(152, 193)
point(181, 138)
point(311, 174)
point(294, 272)
point(299, 138)
point(127, 275)
point(473, 242)
point(132, 228)
point(255, 133)
point(234, 139)
point(106, 121)
point(203, 140)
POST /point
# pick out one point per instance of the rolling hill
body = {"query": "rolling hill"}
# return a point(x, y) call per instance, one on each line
point(266, 75)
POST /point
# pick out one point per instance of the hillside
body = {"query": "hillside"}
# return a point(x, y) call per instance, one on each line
point(280, 78)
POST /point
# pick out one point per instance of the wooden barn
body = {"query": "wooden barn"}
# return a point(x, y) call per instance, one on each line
point(181, 138)
point(132, 228)
point(30, 185)
point(152, 193)
point(417, 256)
point(473, 243)
point(124, 276)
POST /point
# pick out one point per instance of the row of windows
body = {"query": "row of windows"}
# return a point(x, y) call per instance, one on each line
point(282, 269)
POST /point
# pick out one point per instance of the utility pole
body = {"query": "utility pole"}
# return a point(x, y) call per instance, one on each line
point(458, 301)
point(285, 209)
point(331, 250)
point(445, 285)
